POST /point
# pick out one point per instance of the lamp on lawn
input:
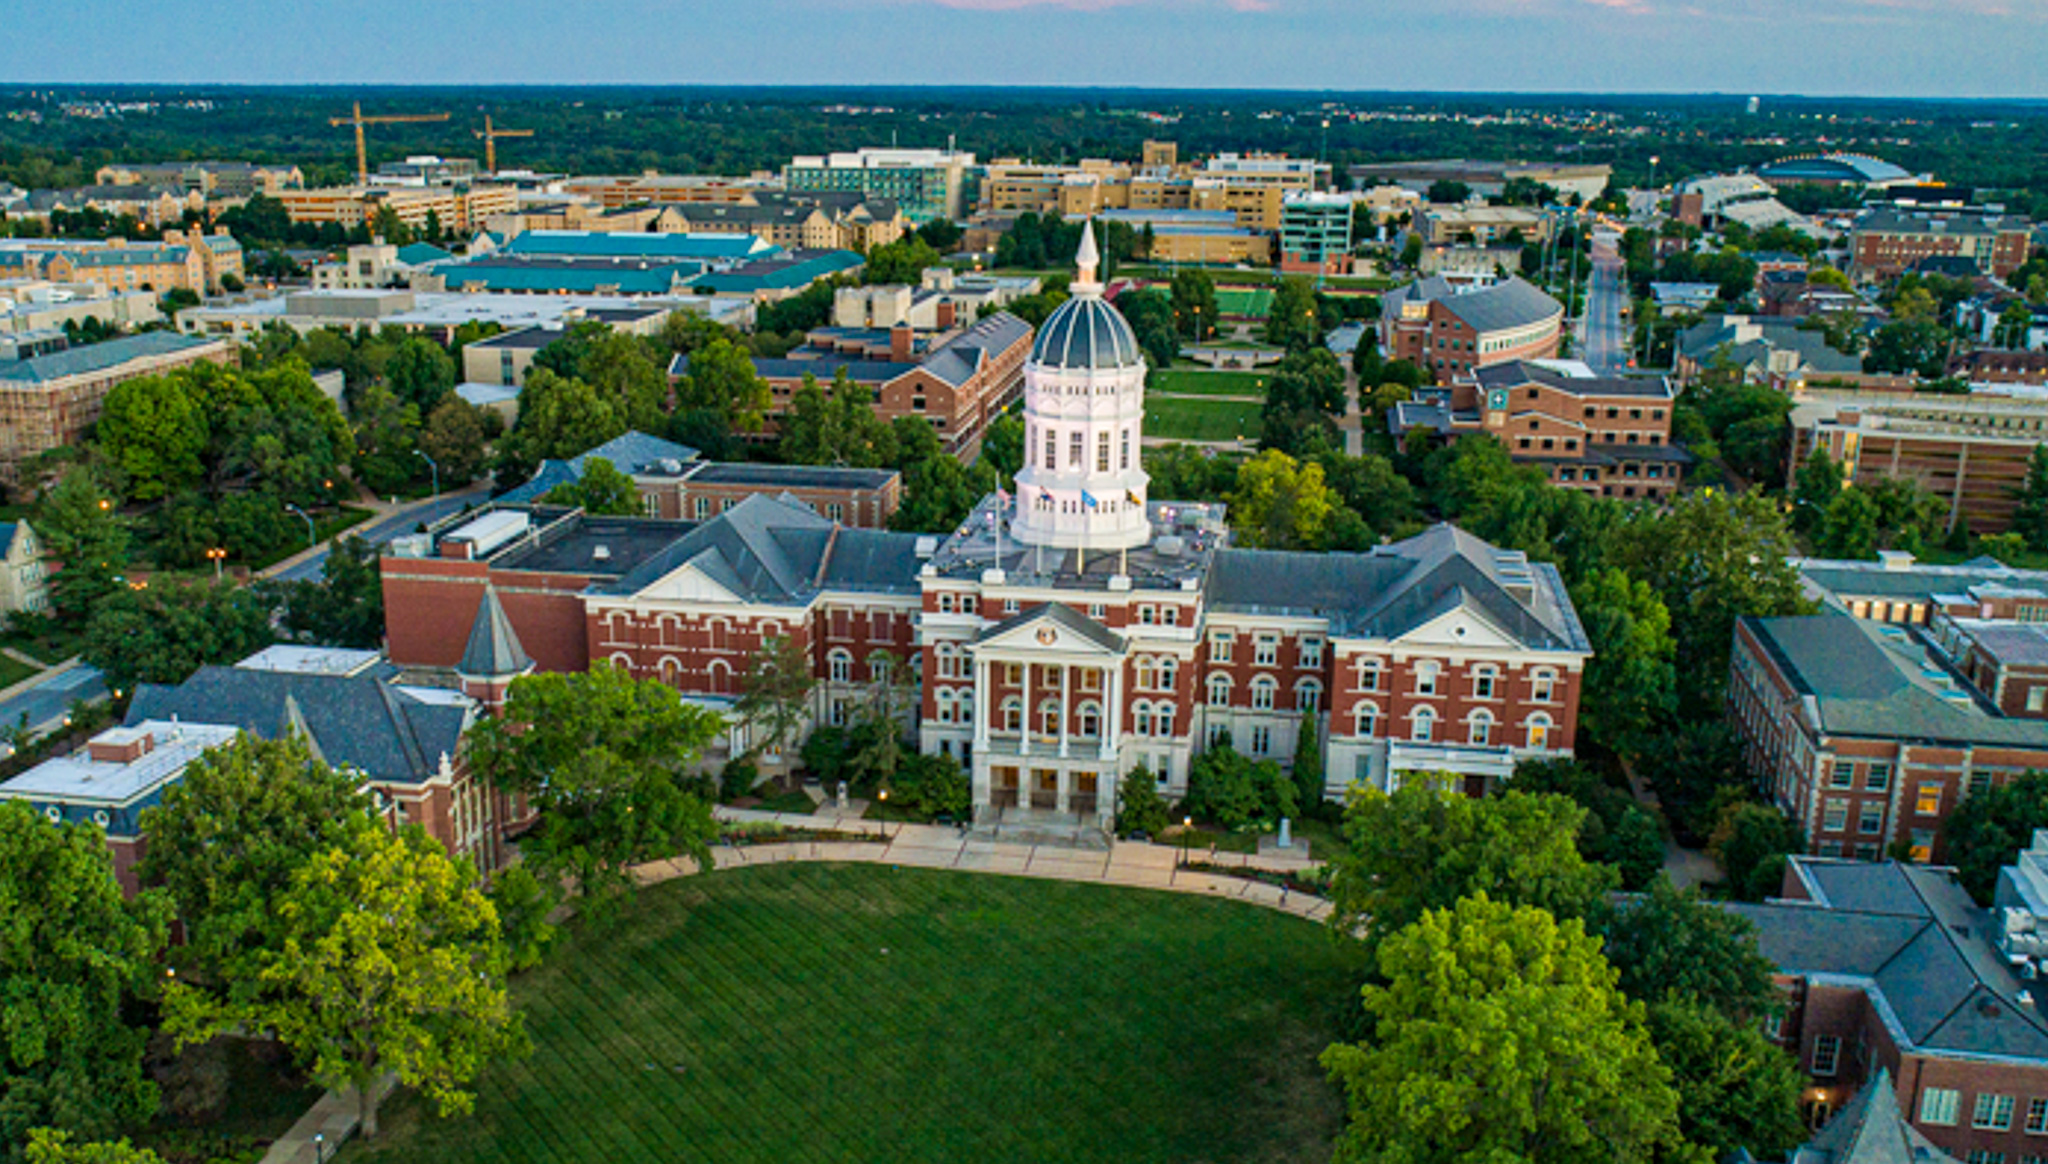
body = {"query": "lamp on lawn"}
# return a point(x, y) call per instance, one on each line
point(1187, 834)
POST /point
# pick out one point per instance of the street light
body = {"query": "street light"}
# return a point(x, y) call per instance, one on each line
point(1187, 833)
point(217, 554)
point(312, 538)
point(883, 796)
point(319, 1148)
point(435, 466)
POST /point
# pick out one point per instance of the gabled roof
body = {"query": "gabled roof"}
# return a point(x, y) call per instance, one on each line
point(769, 550)
point(1061, 617)
point(1508, 304)
point(493, 651)
point(1871, 1130)
point(98, 357)
point(356, 722)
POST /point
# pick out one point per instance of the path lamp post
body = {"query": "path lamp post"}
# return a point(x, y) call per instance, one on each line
point(319, 1148)
point(435, 466)
point(312, 539)
point(1187, 833)
point(883, 796)
point(217, 554)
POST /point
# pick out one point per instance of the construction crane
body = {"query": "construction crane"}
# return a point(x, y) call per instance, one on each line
point(359, 121)
point(491, 136)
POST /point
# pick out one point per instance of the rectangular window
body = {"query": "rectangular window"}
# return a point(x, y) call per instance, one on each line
point(1870, 817)
point(1928, 803)
point(1052, 450)
point(1262, 741)
point(1219, 647)
point(1482, 685)
point(1098, 610)
point(1311, 652)
point(1844, 775)
point(1994, 1112)
point(1013, 674)
point(1170, 615)
point(2037, 1117)
point(1267, 651)
point(1102, 452)
point(1836, 817)
point(1827, 1053)
point(1877, 777)
point(1425, 680)
point(1125, 462)
point(1940, 1105)
point(1076, 450)
point(1984, 1156)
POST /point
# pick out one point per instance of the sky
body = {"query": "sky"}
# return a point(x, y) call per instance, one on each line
point(1926, 48)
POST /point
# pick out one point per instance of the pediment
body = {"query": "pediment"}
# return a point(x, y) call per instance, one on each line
point(1046, 630)
point(693, 581)
point(1463, 626)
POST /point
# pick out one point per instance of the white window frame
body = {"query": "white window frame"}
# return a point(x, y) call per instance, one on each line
point(1264, 690)
point(1827, 1055)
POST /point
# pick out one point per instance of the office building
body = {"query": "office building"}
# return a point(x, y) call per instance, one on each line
point(1315, 234)
point(1453, 331)
point(49, 401)
point(925, 183)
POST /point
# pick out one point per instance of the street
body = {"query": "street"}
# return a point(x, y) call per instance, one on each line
point(382, 531)
point(1604, 337)
point(45, 703)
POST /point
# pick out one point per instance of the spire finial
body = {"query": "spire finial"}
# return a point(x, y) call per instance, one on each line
point(1087, 258)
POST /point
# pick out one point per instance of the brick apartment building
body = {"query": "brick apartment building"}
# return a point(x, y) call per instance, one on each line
point(1896, 980)
point(1453, 332)
point(958, 383)
point(2001, 366)
point(1886, 243)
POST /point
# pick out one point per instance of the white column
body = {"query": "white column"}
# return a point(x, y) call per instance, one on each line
point(1066, 709)
point(1061, 789)
point(984, 699)
point(1113, 710)
point(1024, 736)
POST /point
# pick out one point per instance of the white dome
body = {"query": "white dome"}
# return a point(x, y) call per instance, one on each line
point(1086, 332)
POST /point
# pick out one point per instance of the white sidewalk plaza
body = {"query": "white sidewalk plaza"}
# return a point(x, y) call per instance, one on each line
point(1132, 864)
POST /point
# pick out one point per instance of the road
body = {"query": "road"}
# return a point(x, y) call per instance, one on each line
point(45, 703)
point(382, 531)
point(1604, 337)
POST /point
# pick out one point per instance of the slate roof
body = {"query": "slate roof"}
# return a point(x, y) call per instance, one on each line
point(493, 650)
point(1878, 681)
point(767, 476)
point(1870, 1129)
point(1520, 373)
point(770, 550)
point(353, 721)
point(98, 357)
point(958, 359)
point(1397, 588)
point(632, 453)
point(7, 531)
point(1921, 581)
point(1921, 947)
point(1062, 615)
point(1700, 342)
point(1508, 304)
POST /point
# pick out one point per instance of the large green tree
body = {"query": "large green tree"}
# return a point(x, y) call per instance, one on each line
point(722, 379)
point(2030, 514)
point(1281, 503)
point(607, 760)
point(1631, 681)
point(345, 607)
point(1989, 829)
point(82, 528)
point(151, 428)
point(165, 632)
point(1736, 1089)
point(561, 418)
point(420, 373)
point(390, 959)
point(1193, 294)
point(1291, 318)
point(387, 440)
point(601, 490)
point(1751, 843)
point(1499, 1036)
point(775, 696)
point(1671, 942)
point(454, 436)
point(1427, 845)
point(226, 842)
point(75, 960)
point(50, 1146)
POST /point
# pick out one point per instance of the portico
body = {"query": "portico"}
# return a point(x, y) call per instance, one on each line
point(1049, 686)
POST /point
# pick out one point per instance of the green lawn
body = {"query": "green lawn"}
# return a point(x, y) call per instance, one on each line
point(804, 1012)
point(13, 671)
point(1251, 302)
point(1208, 383)
point(1200, 420)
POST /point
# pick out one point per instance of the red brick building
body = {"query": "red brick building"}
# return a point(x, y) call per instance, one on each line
point(1886, 243)
point(1452, 332)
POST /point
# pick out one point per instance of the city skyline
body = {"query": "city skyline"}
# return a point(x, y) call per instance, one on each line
point(1896, 48)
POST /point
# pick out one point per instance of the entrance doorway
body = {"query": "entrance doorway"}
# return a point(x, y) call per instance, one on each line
point(1003, 787)
point(1045, 788)
point(1082, 799)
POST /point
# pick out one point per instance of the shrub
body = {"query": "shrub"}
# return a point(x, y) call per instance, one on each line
point(738, 777)
point(933, 786)
point(1139, 807)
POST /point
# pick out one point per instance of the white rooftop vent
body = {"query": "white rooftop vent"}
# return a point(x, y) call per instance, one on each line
point(601, 553)
point(1170, 546)
point(927, 546)
point(1895, 560)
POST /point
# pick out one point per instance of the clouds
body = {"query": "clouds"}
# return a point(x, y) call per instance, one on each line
point(1095, 5)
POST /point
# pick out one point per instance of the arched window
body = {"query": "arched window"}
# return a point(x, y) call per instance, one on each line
point(948, 659)
point(1167, 667)
point(1480, 728)
point(1423, 725)
point(1368, 720)
point(1219, 691)
point(622, 661)
point(1013, 714)
point(721, 677)
point(1263, 688)
point(840, 665)
point(963, 707)
point(1308, 696)
point(1149, 721)
point(1088, 720)
point(671, 670)
point(1543, 685)
point(942, 700)
point(1049, 717)
point(1538, 726)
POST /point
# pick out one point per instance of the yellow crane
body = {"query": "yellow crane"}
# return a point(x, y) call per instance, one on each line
point(359, 121)
point(491, 136)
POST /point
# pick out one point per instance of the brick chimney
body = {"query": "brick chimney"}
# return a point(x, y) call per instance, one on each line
point(899, 343)
point(121, 745)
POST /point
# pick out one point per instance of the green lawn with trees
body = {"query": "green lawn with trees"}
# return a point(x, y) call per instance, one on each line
point(816, 1012)
point(1189, 382)
point(1200, 420)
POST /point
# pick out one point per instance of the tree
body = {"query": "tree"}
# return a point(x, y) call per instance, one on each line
point(1616, 831)
point(1630, 682)
point(933, 786)
point(941, 234)
point(1671, 942)
point(1988, 830)
point(1695, 767)
point(1228, 788)
point(1446, 190)
point(607, 760)
point(618, 366)
point(1291, 318)
point(1139, 807)
point(391, 960)
point(1849, 528)
point(1499, 1036)
point(722, 378)
point(81, 529)
point(386, 432)
point(1425, 846)
point(1308, 766)
point(225, 842)
point(1907, 346)
point(1751, 843)
point(1281, 503)
point(902, 261)
point(1194, 304)
point(562, 418)
point(420, 373)
point(1002, 447)
point(166, 632)
point(601, 490)
point(49, 1146)
point(1736, 1089)
point(345, 608)
point(75, 959)
point(775, 696)
point(151, 429)
point(454, 437)
point(2030, 514)
point(1820, 482)
point(938, 494)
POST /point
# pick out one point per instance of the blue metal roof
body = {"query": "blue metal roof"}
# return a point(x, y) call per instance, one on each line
point(98, 357)
point(628, 245)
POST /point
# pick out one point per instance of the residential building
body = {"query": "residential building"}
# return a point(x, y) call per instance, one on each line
point(1899, 991)
point(1315, 233)
point(214, 180)
point(1061, 637)
point(1898, 589)
point(674, 484)
point(22, 585)
point(1487, 179)
point(1970, 451)
point(1252, 188)
point(1886, 243)
point(454, 209)
point(47, 402)
point(819, 221)
point(1452, 332)
point(1866, 733)
point(957, 384)
point(925, 183)
point(1214, 237)
point(663, 189)
point(1446, 225)
point(1608, 435)
point(185, 261)
point(1767, 350)
point(155, 206)
point(2001, 366)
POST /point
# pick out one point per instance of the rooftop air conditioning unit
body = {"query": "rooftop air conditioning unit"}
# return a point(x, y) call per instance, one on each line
point(601, 554)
